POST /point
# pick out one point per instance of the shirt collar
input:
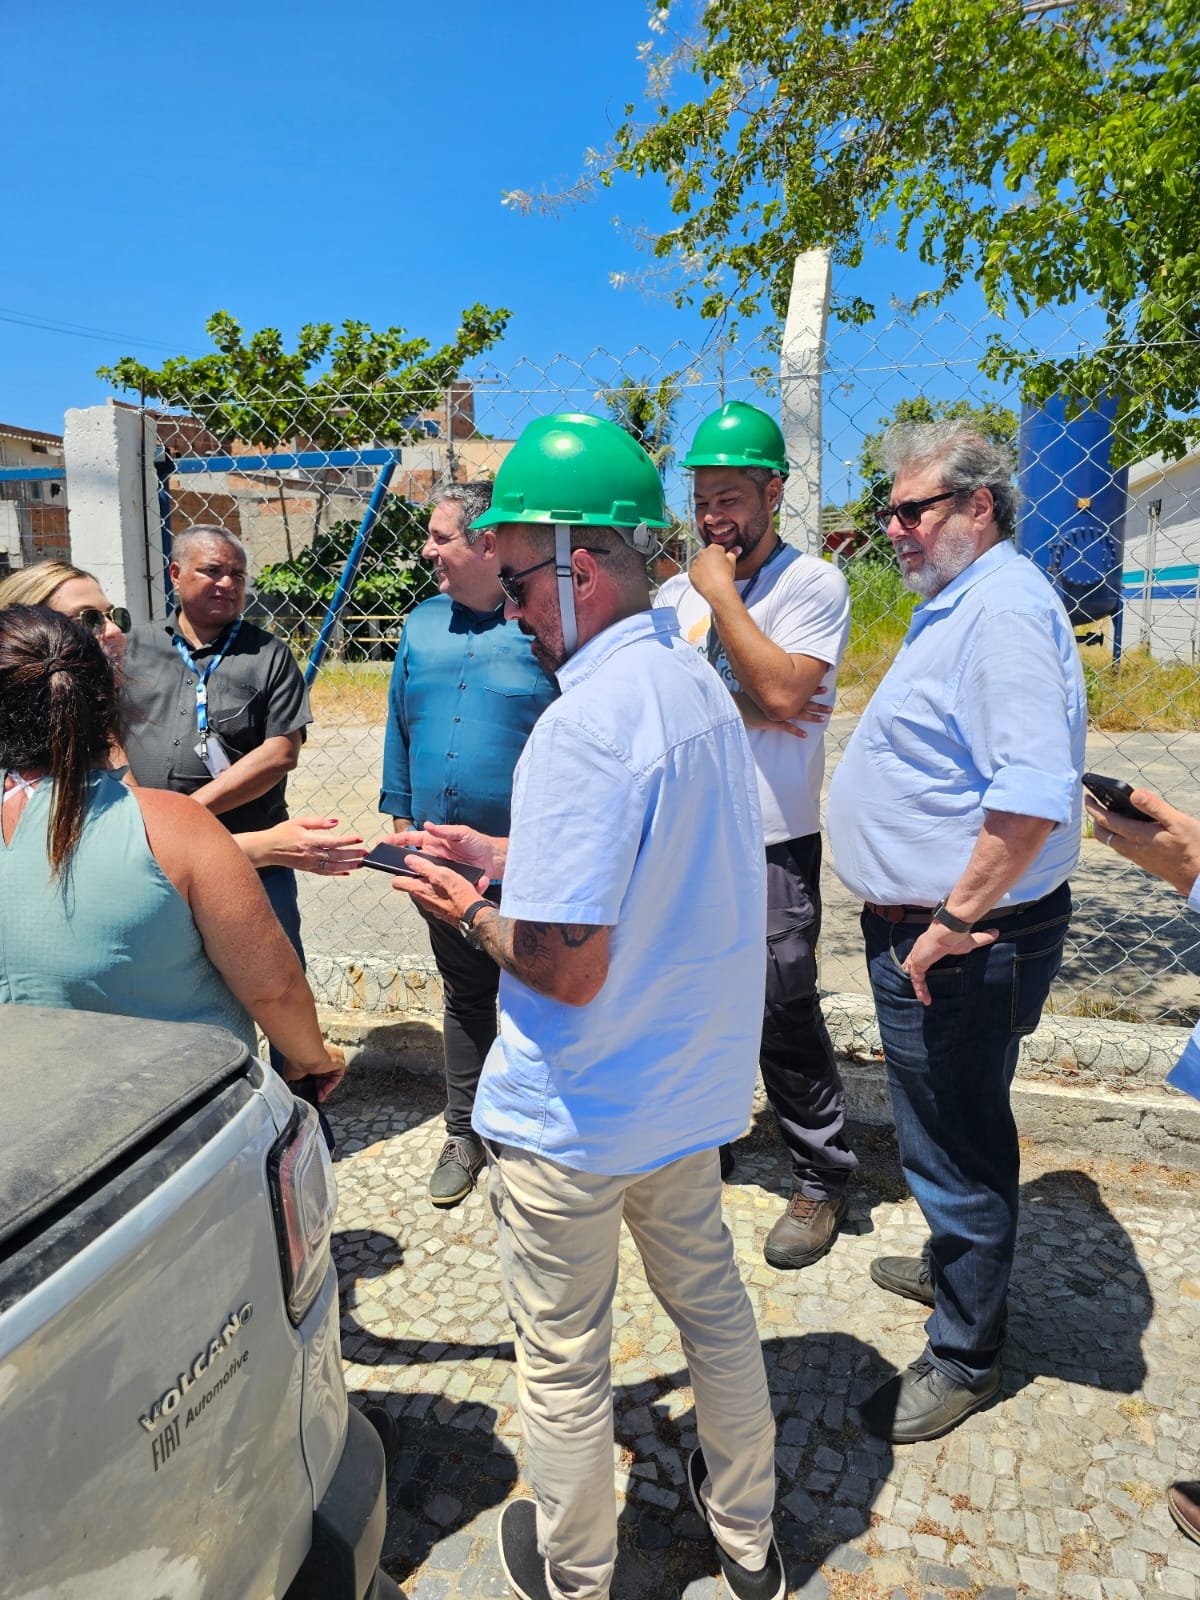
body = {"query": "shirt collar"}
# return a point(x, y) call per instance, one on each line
point(478, 618)
point(982, 567)
point(660, 622)
point(172, 630)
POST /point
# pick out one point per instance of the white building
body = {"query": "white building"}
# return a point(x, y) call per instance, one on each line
point(33, 512)
point(1161, 579)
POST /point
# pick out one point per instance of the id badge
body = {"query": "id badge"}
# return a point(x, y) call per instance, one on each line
point(214, 757)
point(1185, 1074)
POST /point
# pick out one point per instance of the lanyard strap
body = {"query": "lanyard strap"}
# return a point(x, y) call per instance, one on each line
point(202, 676)
point(712, 647)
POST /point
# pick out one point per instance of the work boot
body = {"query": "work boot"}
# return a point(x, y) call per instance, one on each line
point(909, 1276)
point(1183, 1502)
point(805, 1231)
point(454, 1176)
point(923, 1403)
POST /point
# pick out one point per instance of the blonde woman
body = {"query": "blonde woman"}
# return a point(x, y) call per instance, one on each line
point(303, 843)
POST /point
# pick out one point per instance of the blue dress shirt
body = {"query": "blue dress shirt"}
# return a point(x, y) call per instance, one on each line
point(983, 709)
point(465, 694)
point(635, 808)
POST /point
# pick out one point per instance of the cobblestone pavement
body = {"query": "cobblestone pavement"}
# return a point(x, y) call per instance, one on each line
point(1057, 1490)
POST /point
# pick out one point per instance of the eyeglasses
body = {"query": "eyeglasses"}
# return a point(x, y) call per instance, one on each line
point(93, 619)
point(512, 583)
point(909, 512)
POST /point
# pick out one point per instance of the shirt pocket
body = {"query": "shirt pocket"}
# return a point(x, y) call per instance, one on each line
point(235, 714)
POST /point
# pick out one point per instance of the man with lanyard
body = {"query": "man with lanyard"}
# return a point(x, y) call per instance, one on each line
point(1166, 843)
point(631, 953)
point(215, 707)
point(465, 692)
point(775, 623)
point(954, 816)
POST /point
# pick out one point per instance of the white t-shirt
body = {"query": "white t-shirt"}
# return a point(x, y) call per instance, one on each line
point(802, 604)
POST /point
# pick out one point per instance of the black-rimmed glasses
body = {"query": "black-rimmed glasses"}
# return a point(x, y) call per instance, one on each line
point(909, 512)
point(512, 583)
point(93, 619)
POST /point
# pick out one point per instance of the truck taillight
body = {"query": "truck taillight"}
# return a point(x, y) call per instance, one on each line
point(304, 1196)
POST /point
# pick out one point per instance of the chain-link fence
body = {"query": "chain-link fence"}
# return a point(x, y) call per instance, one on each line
point(1120, 536)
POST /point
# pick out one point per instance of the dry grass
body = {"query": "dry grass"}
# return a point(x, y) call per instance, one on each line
point(1140, 694)
point(351, 692)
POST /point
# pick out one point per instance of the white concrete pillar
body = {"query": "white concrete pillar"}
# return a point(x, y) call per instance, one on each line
point(801, 366)
point(112, 489)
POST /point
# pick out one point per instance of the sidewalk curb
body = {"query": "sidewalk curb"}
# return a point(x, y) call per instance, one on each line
point(1081, 1083)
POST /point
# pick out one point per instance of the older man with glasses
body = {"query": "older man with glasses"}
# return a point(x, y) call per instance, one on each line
point(955, 816)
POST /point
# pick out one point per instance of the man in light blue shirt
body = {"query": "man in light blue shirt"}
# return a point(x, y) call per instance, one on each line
point(955, 814)
point(629, 936)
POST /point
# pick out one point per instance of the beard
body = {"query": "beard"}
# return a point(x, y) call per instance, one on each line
point(954, 553)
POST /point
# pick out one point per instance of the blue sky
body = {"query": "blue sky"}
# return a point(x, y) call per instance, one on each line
point(295, 162)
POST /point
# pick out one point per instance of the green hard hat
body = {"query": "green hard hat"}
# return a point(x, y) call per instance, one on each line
point(579, 470)
point(738, 435)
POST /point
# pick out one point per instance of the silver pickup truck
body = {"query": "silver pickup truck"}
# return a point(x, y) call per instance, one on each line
point(173, 1416)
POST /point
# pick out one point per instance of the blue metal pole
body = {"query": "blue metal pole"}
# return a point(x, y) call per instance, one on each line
point(349, 571)
point(163, 467)
point(1118, 625)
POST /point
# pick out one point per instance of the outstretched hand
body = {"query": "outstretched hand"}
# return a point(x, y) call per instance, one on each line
point(459, 843)
point(1168, 845)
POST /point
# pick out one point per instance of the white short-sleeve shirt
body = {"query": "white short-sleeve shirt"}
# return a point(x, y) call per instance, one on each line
point(802, 604)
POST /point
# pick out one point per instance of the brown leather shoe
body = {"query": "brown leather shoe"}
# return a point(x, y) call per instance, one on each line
point(1183, 1502)
point(805, 1231)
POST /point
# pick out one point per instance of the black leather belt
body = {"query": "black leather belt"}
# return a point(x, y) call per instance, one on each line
point(924, 914)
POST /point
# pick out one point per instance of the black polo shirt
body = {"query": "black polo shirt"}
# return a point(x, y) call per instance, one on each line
point(255, 693)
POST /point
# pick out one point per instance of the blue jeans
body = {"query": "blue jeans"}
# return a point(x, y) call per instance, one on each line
point(950, 1067)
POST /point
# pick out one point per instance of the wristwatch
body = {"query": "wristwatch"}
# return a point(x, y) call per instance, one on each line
point(466, 923)
point(947, 918)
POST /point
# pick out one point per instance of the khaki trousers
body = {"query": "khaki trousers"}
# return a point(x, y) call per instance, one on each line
point(559, 1232)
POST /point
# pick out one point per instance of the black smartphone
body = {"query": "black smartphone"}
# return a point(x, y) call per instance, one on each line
point(393, 859)
point(1113, 796)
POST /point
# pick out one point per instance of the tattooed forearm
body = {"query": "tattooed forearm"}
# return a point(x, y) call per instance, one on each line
point(547, 956)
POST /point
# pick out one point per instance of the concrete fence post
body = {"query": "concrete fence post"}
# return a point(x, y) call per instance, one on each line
point(116, 531)
point(801, 366)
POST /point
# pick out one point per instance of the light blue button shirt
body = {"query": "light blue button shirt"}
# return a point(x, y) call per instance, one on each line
point(635, 807)
point(983, 709)
point(1185, 1074)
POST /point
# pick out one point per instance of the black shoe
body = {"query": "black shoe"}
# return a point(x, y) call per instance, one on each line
point(909, 1276)
point(454, 1175)
point(805, 1231)
point(768, 1583)
point(923, 1403)
point(727, 1161)
point(524, 1565)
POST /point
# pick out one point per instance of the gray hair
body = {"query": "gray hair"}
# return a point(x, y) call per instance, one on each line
point(964, 458)
point(760, 476)
point(182, 543)
point(472, 500)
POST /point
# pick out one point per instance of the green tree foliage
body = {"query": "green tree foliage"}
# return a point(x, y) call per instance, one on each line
point(385, 586)
point(648, 413)
point(1048, 149)
point(362, 387)
point(994, 422)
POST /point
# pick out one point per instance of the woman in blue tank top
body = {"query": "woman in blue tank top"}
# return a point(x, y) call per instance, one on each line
point(121, 900)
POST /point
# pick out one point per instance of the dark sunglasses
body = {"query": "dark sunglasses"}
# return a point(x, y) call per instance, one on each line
point(93, 619)
point(512, 583)
point(909, 512)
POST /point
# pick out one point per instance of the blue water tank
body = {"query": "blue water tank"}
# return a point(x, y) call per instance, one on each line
point(1072, 519)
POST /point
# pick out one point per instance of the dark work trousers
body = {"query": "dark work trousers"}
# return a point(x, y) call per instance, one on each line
point(470, 982)
point(280, 884)
point(950, 1067)
point(799, 1072)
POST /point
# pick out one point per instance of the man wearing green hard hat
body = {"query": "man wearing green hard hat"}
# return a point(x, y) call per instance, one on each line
point(628, 935)
point(775, 623)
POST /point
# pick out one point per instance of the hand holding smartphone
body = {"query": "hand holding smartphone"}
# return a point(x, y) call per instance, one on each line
point(394, 858)
point(1113, 796)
